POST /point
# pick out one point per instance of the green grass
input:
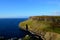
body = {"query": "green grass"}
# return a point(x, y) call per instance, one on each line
point(37, 26)
point(56, 30)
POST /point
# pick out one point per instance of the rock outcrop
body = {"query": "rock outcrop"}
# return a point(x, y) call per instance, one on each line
point(48, 27)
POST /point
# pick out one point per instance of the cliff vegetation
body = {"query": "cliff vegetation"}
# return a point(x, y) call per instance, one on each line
point(43, 26)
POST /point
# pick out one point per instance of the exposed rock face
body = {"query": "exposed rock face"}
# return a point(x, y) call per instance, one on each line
point(52, 36)
point(48, 27)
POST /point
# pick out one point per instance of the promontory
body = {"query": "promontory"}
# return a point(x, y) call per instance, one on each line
point(47, 27)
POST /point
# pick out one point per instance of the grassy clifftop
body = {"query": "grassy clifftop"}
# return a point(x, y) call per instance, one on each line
point(35, 24)
point(42, 24)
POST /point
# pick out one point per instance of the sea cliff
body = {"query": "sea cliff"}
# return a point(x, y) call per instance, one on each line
point(48, 27)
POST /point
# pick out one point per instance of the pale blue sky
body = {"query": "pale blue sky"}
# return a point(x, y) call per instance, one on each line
point(26, 8)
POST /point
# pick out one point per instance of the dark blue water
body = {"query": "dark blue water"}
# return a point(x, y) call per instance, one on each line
point(9, 27)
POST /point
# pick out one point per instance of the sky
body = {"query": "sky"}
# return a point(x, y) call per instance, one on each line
point(26, 8)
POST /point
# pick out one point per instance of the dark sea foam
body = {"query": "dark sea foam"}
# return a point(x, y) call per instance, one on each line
point(9, 27)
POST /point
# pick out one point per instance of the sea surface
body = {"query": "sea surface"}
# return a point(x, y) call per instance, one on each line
point(9, 27)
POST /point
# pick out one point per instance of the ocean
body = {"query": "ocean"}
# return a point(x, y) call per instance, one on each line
point(9, 27)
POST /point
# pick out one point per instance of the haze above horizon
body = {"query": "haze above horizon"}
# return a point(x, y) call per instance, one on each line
point(26, 8)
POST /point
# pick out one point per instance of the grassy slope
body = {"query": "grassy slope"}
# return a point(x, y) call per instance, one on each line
point(37, 26)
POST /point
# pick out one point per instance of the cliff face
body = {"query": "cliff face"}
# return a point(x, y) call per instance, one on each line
point(48, 27)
